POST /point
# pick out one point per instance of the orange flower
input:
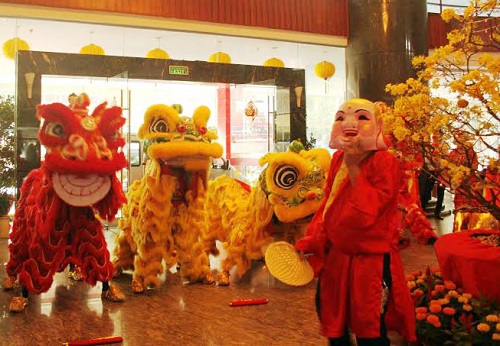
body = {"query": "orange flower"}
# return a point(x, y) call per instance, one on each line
point(444, 301)
point(434, 320)
point(416, 273)
point(492, 318)
point(439, 288)
point(467, 295)
point(410, 278)
point(435, 308)
point(498, 327)
point(418, 292)
point(449, 311)
point(411, 284)
point(495, 336)
point(449, 285)
point(463, 299)
point(421, 310)
point(483, 327)
point(420, 317)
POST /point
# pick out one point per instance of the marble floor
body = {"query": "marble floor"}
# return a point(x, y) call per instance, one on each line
point(179, 314)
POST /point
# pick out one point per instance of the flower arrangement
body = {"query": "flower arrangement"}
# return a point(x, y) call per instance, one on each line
point(446, 315)
point(454, 99)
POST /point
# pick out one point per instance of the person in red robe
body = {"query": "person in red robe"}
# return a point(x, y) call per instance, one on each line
point(353, 237)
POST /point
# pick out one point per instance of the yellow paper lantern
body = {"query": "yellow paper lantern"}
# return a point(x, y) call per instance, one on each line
point(324, 69)
point(92, 49)
point(220, 57)
point(157, 53)
point(274, 62)
point(10, 47)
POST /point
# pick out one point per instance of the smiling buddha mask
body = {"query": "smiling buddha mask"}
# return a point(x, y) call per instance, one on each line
point(359, 118)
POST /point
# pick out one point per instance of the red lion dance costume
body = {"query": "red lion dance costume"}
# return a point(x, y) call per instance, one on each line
point(55, 223)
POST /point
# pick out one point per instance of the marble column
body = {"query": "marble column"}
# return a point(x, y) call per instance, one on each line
point(384, 35)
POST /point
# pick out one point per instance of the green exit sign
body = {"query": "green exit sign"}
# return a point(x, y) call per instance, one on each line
point(179, 70)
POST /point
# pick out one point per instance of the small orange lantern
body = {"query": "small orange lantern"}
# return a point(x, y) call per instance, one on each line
point(324, 69)
point(220, 57)
point(10, 47)
point(92, 49)
point(157, 53)
point(274, 62)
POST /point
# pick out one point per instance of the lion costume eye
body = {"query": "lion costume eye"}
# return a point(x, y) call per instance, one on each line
point(55, 129)
point(158, 125)
point(285, 177)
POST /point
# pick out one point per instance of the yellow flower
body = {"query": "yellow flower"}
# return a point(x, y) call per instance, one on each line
point(467, 307)
point(492, 318)
point(467, 295)
point(448, 14)
point(411, 284)
point(444, 301)
point(463, 299)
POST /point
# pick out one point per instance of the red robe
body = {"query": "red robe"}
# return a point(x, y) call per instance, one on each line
point(348, 248)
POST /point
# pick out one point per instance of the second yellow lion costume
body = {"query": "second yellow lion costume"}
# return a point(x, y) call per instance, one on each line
point(164, 219)
point(289, 191)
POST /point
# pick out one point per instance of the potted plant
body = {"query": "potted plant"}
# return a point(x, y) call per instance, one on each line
point(7, 161)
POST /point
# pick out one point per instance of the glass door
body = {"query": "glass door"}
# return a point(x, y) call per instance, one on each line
point(251, 127)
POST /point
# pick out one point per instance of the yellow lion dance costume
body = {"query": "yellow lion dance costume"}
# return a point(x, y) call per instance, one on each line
point(165, 218)
point(279, 207)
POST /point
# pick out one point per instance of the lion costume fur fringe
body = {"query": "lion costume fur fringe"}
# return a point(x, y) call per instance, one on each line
point(164, 219)
point(279, 206)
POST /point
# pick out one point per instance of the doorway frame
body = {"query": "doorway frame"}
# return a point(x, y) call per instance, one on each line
point(36, 64)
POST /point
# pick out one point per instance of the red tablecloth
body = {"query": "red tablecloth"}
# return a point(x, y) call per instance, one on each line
point(469, 263)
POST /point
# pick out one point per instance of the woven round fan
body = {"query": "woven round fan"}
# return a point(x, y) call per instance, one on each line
point(286, 265)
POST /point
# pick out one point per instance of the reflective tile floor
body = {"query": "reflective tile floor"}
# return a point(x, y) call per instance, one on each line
point(177, 314)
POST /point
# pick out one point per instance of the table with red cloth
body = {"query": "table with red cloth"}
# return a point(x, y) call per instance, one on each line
point(470, 263)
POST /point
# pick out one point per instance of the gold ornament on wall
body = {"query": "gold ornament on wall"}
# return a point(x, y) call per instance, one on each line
point(324, 69)
point(220, 57)
point(251, 110)
point(274, 62)
point(10, 47)
point(157, 53)
point(92, 49)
